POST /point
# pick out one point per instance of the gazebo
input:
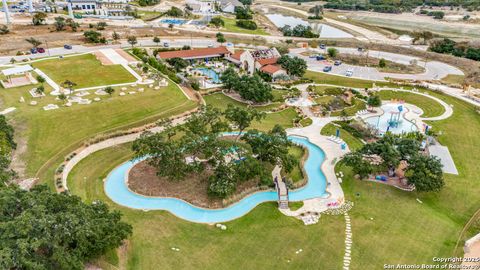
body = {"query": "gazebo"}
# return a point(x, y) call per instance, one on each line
point(18, 76)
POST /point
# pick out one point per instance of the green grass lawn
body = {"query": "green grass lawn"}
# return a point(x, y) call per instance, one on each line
point(84, 70)
point(351, 110)
point(323, 100)
point(52, 134)
point(389, 225)
point(296, 174)
point(262, 239)
point(230, 26)
point(149, 15)
point(324, 78)
point(405, 231)
point(352, 142)
point(429, 106)
point(283, 118)
point(221, 101)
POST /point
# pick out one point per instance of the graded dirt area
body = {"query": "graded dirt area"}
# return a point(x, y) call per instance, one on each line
point(143, 180)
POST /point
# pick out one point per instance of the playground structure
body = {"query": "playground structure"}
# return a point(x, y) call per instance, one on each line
point(395, 118)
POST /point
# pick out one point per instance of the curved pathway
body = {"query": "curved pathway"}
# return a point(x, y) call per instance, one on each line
point(446, 114)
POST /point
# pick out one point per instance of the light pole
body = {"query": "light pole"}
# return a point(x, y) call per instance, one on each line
point(7, 13)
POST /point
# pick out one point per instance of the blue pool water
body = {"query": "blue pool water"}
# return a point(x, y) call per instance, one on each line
point(117, 190)
point(382, 123)
point(210, 73)
point(173, 21)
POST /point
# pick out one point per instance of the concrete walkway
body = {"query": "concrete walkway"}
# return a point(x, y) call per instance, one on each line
point(333, 153)
point(48, 80)
point(85, 152)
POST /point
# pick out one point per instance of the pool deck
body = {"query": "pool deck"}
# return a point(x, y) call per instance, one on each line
point(332, 152)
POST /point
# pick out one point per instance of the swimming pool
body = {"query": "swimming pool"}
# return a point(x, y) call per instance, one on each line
point(211, 74)
point(117, 190)
point(382, 122)
point(173, 21)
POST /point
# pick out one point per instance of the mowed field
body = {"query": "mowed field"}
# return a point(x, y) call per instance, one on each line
point(389, 225)
point(262, 239)
point(84, 70)
point(50, 135)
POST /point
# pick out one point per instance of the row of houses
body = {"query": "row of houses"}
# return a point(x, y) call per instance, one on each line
point(251, 61)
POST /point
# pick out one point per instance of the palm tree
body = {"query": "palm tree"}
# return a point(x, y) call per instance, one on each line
point(40, 90)
point(35, 42)
point(62, 97)
point(69, 85)
point(109, 90)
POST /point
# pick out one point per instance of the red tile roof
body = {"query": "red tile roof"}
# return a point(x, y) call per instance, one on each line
point(270, 69)
point(237, 54)
point(267, 61)
point(195, 53)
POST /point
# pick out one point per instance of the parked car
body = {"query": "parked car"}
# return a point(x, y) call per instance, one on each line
point(166, 45)
point(210, 45)
point(33, 50)
point(322, 46)
point(320, 57)
point(349, 73)
point(337, 63)
point(313, 56)
point(40, 50)
point(327, 69)
point(68, 47)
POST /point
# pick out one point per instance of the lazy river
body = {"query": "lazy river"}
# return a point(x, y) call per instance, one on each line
point(117, 190)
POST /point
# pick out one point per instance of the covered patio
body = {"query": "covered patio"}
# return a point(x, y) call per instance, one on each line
point(17, 76)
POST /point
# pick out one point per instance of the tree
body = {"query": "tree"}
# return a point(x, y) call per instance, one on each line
point(63, 97)
point(359, 166)
point(220, 37)
point(217, 22)
point(132, 40)
point(35, 42)
point(294, 66)
point(94, 37)
point(243, 13)
point(229, 78)
point(170, 26)
point(253, 88)
point(178, 63)
point(317, 10)
point(39, 18)
point(271, 147)
point(101, 25)
point(425, 172)
point(223, 182)
point(69, 85)
point(40, 79)
point(72, 24)
point(66, 234)
point(382, 63)
point(109, 90)
point(242, 118)
point(156, 40)
point(115, 36)
point(174, 12)
point(40, 90)
point(4, 29)
point(374, 101)
point(59, 23)
point(332, 52)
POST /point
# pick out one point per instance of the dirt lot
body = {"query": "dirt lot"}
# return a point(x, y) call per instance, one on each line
point(143, 179)
point(15, 40)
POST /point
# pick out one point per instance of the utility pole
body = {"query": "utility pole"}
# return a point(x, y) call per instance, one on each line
point(30, 6)
point(7, 13)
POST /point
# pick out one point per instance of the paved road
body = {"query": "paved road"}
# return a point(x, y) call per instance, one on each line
point(198, 43)
point(433, 69)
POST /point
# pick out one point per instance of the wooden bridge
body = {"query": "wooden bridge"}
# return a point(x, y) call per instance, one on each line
point(281, 188)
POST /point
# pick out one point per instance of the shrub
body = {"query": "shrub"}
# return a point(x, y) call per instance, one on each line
point(246, 24)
